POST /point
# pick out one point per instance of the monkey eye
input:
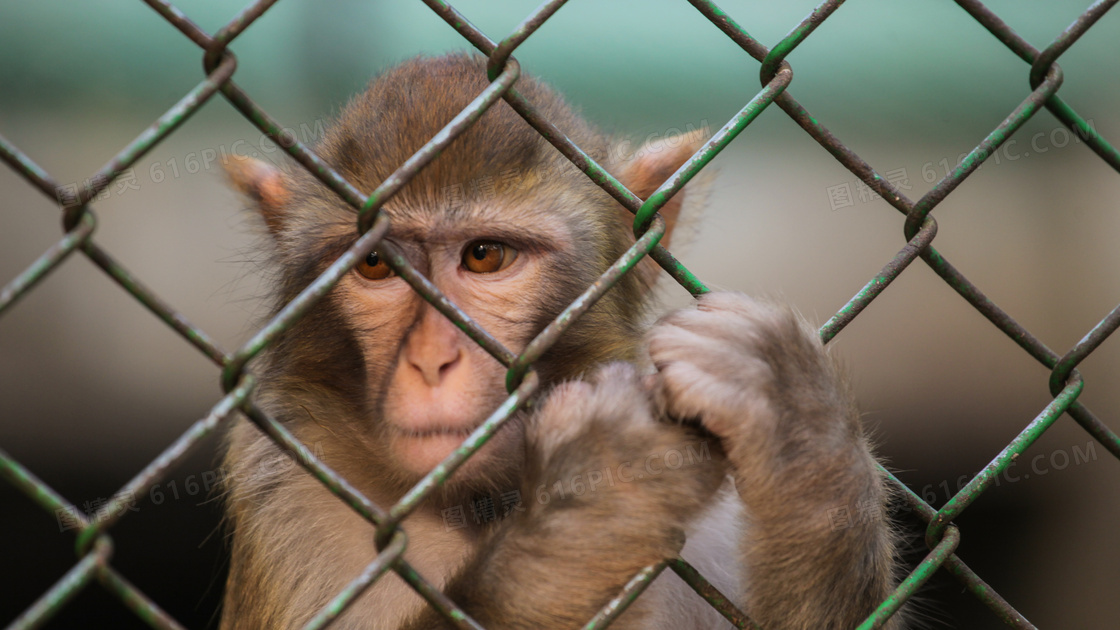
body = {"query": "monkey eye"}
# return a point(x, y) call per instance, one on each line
point(488, 256)
point(374, 268)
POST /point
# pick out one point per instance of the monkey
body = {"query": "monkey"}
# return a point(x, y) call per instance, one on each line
point(724, 426)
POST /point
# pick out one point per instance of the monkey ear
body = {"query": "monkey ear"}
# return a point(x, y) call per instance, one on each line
point(651, 165)
point(263, 183)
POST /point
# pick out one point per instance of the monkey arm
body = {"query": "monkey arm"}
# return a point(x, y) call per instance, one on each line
point(818, 548)
point(595, 510)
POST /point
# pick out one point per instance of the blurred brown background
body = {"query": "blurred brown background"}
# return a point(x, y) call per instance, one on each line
point(92, 386)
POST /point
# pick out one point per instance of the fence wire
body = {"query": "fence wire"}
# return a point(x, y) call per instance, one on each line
point(94, 545)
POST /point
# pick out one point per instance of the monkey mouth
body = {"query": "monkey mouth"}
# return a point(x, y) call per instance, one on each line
point(431, 432)
point(421, 448)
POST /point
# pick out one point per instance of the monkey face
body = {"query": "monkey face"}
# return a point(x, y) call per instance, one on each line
point(429, 386)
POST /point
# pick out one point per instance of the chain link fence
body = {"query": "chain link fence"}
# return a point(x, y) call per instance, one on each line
point(94, 545)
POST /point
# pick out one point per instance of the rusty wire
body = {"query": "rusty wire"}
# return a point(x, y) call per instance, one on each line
point(94, 546)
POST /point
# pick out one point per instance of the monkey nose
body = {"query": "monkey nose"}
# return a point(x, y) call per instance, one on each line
point(436, 364)
point(434, 348)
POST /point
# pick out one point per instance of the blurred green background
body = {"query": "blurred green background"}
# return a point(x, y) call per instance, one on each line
point(92, 386)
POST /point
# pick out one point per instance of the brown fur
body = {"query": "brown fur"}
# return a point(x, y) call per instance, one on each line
point(362, 378)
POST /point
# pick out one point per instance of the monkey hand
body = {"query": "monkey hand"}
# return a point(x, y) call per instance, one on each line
point(757, 376)
point(601, 452)
point(605, 485)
